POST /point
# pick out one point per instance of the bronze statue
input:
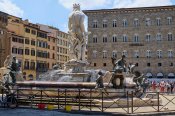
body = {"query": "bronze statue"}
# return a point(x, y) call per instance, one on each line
point(99, 80)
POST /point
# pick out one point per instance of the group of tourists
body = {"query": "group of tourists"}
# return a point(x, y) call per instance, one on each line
point(162, 86)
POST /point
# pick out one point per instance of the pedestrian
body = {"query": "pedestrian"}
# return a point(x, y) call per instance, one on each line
point(172, 87)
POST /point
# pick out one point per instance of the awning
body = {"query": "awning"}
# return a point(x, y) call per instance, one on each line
point(159, 75)
point(149, 75)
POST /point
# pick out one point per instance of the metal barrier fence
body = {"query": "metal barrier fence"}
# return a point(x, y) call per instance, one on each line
point(94, 100)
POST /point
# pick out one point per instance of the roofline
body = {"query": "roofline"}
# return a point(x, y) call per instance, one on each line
point(125, 9)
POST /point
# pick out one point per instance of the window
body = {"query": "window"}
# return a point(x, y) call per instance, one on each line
point(14, 50)
point(104, 64)
point(27, 41)
point(169, 20)
point(159, 53)
point(114, 54)
point(148, 54)
point(104, 23)
point(94, 39)
point(42, 35)
point(136, 22)
point(125, 53)
point(33, 32)
point(104, 39)
point(125, 23)
point(32, 52)
point(33, 42)
point(148, 22)
point(104, 54)
point(95, 64)
point(27, 52)
point(136, 38)
point(26, 65)
point(159, 37)
point(170, 37)
point(171, 64)
point(53, 56)
point(125, 38)
point(27, 30)
point(114, 23)
point(32, 65)
point(114, 38)
point(148, 64)
point(159, 64)
point(170, 54)
point(53, 48)
point(20, 51)
point(94, 54)
point(158, 21)
point(148, 37)
point(95, 24)
point(136, 54)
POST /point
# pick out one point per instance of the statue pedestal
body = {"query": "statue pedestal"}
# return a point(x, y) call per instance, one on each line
point(77, 66)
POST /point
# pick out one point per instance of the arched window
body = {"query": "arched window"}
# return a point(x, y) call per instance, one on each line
point(171, 75)
point(158, 21)
point(125, 23)
point(136, 54)
point(136, 38)
point(125, 53)
point(136, 22)
point(114, 24)
point(94, 54)
point(169, 20)
point(159, 37)
point(114, 38)
point(149, 75)
point(104, 38)
point(170, 54)
point(114, 54)
point(125, 39)
point(159, 75)
point(159, 53)
point(95, 24)
point(148, 37)
point(148, 53)
point(94, 39)
point(104, 23)
point(170, 36)
point(104, 54)
point(148, 22)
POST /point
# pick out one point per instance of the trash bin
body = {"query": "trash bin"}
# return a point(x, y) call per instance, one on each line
point(68, 108)
point(41, 106)
point(50, 107)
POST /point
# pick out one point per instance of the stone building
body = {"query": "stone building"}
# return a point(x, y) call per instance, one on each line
point(4, 38)
point(146, 36)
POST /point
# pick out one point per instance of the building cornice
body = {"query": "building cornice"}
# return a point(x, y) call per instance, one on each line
point(130, 10)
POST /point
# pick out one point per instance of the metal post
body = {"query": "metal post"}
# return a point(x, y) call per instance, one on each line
point(158, 109)
point(132, 110)
point(127, 102)
point(102, 101)
point(41, 96)
point(90, 99)
point(79, 99)
point(65, 98)
point(58, 103)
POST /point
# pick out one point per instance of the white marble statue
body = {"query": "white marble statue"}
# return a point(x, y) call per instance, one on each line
point(77, 34)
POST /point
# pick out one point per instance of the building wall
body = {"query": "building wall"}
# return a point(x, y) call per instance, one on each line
point(97, 43)
point(4, 38)
point(62, 48)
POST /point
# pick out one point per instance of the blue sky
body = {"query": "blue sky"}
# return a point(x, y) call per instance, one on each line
point(56, 12)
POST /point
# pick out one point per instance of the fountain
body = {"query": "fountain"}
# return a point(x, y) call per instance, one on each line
point(75, 74)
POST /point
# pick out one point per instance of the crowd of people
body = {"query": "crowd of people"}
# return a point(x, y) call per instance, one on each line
point(162, 86)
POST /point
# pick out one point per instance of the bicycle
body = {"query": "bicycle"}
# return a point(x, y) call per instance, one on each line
point(8, 99)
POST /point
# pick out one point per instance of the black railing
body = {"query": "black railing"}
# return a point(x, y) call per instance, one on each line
point(95, 100)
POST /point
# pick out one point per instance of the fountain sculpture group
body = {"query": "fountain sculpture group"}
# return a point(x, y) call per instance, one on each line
point(75, 74)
